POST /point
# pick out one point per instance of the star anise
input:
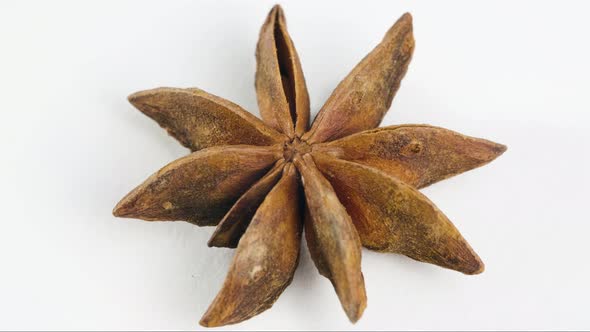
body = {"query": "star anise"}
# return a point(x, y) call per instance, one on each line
point(360, 184)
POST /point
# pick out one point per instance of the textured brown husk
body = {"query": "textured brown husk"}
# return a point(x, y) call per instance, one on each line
point(280, 86)
point(335, 246)
point(236, 220)
point(200, 120)
point(265, 261)
point(418, 155)
point(391, 216)
point(199, 188)
point(361, 100)
point(343, 182)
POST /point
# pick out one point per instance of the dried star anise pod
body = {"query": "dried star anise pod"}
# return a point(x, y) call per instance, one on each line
point(359, 184)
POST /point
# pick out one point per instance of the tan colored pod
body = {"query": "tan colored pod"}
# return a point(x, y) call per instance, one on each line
point(419, 155)
point(280, 86)
point(265, 260)
point(333, 241)
point(359, 183)
point(200, 120)
point(199, 188)
point(236, 220)
point(361, 100)
point(391, 216)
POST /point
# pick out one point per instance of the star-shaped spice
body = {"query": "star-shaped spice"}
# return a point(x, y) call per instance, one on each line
point(350, 184)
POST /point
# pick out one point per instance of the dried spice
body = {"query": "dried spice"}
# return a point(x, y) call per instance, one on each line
point(342, 182)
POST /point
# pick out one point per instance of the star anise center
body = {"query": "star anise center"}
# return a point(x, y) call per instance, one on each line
point(296, 147)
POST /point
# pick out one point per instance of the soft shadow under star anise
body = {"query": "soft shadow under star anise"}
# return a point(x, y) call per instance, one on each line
point(349, 183)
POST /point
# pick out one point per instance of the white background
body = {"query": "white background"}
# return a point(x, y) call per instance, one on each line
point(72, 146)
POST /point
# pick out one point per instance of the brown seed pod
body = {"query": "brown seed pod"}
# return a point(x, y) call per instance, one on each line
point(343, 182)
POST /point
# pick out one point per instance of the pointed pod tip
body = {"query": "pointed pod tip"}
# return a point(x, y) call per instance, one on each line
point(205, 322)
point(144, 96)
point(208, 319)
point(501, 148)
point(475, 271)
point(405, 21)
point(136, 96)
point(278, 13)
point(116, 212)
point(402, 29)
point(119, 213)
point(215, 242)
point(494, 150)
point(475, 267)
point(219, 312)
point(354, 313)
point(137, 99)
point(355, 307)
point(480, 269)
point(122, 210)
point(406, 17)
point(213, 239)
point(211, 318)
point(275, 14)
point(127, 208)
